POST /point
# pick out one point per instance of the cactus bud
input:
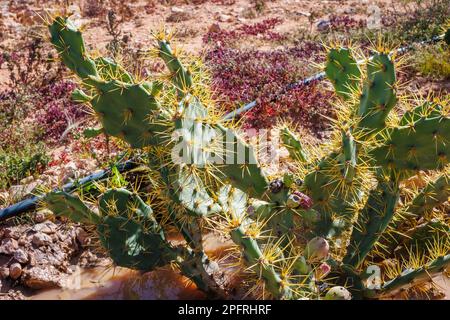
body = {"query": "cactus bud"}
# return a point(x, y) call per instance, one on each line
point(276, 185)
point(317, 249)
point(338, 293)
point(299, 182)
point(322, 271)
point(298, 199)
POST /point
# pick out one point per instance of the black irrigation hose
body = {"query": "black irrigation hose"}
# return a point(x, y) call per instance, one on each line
point(30, 203)
point(317, 77)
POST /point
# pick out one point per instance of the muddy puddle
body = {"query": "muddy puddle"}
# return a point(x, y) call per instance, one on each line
point(103, 283)
point(123, 284)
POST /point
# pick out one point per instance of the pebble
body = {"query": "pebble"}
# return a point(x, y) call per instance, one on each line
point(4, 272)
point(15, 270)
point(41, 239)
point(46, 227)
point(82, 236)
point(8, 246)
point(21, 256)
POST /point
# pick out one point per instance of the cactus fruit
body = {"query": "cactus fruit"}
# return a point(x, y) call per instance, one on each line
point(338, 293)
point(299, 200)
point(343, 201)
point(317, 249)
point(276, 185)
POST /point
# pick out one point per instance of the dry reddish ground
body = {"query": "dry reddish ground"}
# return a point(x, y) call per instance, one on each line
point(189, 20)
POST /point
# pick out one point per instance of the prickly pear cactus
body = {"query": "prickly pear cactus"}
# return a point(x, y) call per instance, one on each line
point(300, 236)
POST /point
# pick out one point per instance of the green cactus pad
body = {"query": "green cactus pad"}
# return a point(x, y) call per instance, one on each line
point(240, 167)
point(181, 77)
point(349, 156)
point(378, 94)
point(293, 145)
point(130, 233)
point(233, 201)
point(343, 71)
point(422, 274)
point(64, 204)
point(372, 221)
point(126, 111)
point(192, 194)
point(254, 257)
point(420, 146)
point(335, 209)
point(433, 194)
point(79, 96)
point(69, 43)
point(109, 70)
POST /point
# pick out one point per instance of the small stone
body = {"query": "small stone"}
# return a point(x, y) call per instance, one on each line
point(42, 277)
point(15, 270)
point(178, 15)
point(4, 272)
point(22, 241)
point(21, 256)
point(176, 9)
point(11, 233)
point(41, 239)
point(41, 215)
point(46, 227)
point(82, 236)
point(225, 18)
point(323, 25)
point(214, 28)
point(9, 246)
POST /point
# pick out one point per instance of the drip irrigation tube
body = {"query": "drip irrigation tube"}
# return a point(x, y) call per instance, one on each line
point(30, 203)
point(317, 77)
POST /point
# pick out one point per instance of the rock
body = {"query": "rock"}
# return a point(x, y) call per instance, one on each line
point(82, 236)
point(4, 272)
point(323, 25)
point(41, 215)
point(225, 18)
point(11, 233)
point(69, 171)
point(41, 239)
point(42, 277)
point(15, 271)
point(22, 241)
point(178, 15)
point(9, 246)
point(214, 28)
point(21, 256)
point(46, 227)
point(18, 192)
point(176, 9)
